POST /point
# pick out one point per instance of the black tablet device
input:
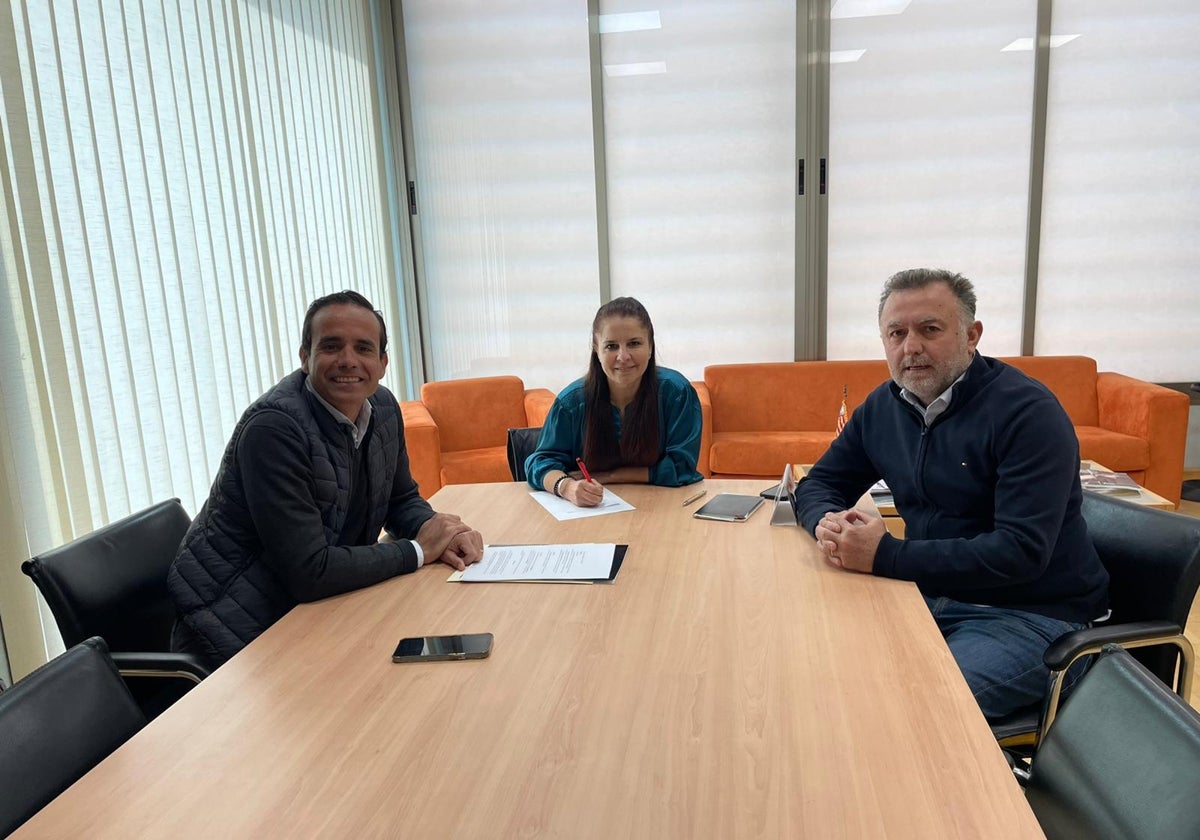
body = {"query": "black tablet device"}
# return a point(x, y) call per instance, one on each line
point(729, 507)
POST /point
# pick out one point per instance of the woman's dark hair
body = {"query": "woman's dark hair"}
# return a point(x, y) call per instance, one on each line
point(639, 443)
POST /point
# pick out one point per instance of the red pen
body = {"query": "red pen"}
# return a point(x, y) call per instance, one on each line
point(583, 468)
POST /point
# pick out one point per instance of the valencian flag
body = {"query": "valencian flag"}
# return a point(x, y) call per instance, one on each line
point(841, 421)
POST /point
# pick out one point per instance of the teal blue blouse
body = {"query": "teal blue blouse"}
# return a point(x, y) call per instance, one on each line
point(679, 409)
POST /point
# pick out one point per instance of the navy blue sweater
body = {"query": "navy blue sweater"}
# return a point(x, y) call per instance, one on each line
point(989, 494)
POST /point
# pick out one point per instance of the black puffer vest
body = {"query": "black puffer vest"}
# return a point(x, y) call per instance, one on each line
point(221, 588)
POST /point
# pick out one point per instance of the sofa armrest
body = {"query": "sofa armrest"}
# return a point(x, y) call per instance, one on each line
point(537, 405)
point(705, 428)
point(1156, 414)
point(424, 445)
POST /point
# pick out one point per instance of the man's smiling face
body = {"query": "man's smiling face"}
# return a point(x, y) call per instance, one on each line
point(344, 359)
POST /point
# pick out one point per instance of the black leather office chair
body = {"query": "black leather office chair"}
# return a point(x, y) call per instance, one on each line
point(1121, 761)
point(521, 443)
point(1153, 561)
point(113, 583)
point(57, 724)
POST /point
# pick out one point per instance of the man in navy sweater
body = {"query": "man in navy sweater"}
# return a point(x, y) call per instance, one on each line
point(983, 464)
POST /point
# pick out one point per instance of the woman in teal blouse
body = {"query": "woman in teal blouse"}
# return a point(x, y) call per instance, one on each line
point(628, 420)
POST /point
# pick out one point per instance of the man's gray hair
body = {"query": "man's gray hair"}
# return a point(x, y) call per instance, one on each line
point(919, 278)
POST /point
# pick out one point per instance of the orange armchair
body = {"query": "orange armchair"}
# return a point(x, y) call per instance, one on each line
point(457, 433)
point(702, 465)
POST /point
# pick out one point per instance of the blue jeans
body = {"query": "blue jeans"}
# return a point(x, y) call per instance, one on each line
point(999, 651)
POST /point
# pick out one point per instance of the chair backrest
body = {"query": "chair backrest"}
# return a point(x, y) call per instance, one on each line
point(1072, 379)
point(57, 724)
point(1153, 561)
point(475, 413)
point(113, 581)
point(521, 443)
point(1122, 759)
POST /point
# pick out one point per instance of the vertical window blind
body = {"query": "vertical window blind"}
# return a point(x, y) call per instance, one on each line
point(179, 181)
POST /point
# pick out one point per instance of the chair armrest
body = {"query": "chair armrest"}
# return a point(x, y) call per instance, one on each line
point(1068, 647)
point(424, 444)
point(1063, 652)
point(1155, 414)
point(537, 405)
point(1019, 768)
point(160, 664)
point(702, 464)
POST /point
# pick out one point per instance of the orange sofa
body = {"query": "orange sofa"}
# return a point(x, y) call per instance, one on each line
point(769, 414)
point(458, 431)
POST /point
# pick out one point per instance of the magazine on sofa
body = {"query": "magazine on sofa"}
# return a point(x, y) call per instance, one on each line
point(1109, 483)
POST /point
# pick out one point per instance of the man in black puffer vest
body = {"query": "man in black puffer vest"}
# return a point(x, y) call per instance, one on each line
point(316, 467)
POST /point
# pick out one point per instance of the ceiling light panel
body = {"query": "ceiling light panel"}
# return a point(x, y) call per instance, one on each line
point(629, 22)
point(867, 8)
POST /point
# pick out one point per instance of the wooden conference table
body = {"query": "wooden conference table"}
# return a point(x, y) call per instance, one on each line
point(728, 684)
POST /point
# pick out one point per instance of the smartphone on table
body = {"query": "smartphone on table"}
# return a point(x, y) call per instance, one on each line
point(440, 648)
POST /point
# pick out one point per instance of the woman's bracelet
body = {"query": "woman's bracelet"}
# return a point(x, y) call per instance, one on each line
point(558, 483)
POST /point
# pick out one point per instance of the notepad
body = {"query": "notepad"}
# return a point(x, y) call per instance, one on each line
point(729, 507)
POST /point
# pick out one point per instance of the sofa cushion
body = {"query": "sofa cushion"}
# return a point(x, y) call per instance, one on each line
point(476, 466)
point(786, 396)
point(475, 413)
point(1071, 378)
point(765, 453)
point(1122, 453)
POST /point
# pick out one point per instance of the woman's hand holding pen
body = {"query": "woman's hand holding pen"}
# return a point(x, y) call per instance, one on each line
point(583, 493)
point(583, 490)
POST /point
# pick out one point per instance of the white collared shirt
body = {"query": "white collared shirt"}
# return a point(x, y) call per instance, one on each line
point(358, 429)
point(935, 409)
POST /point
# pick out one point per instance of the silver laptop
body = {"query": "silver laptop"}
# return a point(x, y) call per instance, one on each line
point(785, 510)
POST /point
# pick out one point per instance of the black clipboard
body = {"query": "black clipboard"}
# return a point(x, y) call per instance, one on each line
point(618, 559)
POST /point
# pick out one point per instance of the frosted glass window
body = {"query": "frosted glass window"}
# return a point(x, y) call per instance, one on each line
point(502, 125)
point(1120, 250)
point(699, 118)
point(929, 161)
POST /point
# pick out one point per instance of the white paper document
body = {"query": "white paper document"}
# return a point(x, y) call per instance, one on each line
point(562, 510)
point(581, 561)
